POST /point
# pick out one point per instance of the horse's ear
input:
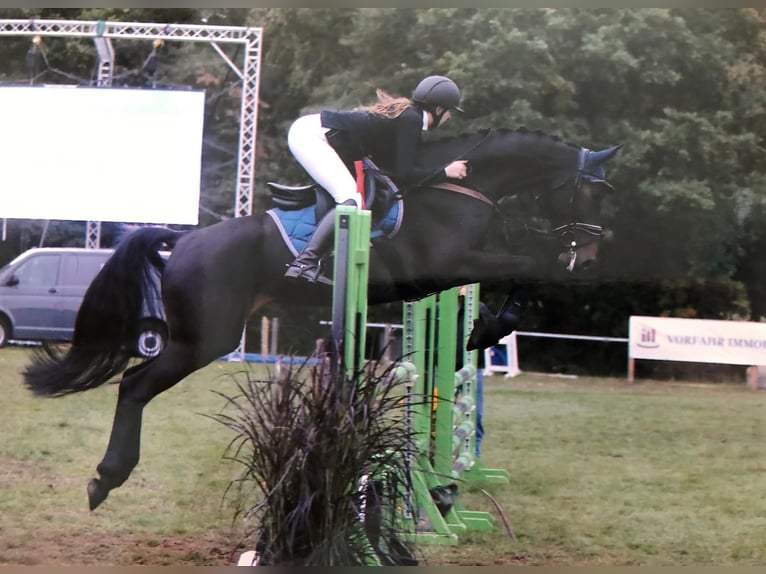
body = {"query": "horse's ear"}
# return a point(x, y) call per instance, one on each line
point(602, 155)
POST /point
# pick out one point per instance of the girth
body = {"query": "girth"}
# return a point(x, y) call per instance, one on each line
point(448, 186)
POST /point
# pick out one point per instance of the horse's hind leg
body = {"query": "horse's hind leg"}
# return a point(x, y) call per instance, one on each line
point(138, 386)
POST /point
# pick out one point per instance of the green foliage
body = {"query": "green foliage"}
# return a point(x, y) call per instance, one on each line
point(320, 451)
point(683, 89)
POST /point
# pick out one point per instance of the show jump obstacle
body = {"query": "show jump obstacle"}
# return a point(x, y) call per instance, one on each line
point(440, 402)
point(445, 418)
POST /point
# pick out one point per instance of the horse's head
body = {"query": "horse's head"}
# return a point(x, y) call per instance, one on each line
point(570, 179)
point(575, 209)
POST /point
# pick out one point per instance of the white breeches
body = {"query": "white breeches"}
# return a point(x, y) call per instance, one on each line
point(307, 142)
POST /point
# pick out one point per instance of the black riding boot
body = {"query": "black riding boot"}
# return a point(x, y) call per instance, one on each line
point(306, 265)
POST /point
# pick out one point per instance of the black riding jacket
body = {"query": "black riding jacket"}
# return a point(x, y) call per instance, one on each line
point(389, 142)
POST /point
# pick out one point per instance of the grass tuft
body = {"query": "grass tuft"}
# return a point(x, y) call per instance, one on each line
point(323, 465)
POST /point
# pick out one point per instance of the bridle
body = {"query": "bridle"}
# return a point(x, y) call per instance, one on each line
point(574, 235)
point(567, 235)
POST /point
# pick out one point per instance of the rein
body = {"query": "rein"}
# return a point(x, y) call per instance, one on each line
point(423, 181)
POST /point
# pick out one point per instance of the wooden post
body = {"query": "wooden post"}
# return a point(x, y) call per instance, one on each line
point(264, 336)
point(387, 341)
point(274, 335)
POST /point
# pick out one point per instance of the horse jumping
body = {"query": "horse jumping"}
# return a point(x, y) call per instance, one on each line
point(217, 276)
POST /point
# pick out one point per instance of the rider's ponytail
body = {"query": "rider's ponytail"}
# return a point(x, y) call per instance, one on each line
point(387, 105)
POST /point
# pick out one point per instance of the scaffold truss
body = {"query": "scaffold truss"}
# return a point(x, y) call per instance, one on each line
point(102, 32)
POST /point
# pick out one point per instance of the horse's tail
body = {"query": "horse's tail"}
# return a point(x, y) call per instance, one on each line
point(107, 322)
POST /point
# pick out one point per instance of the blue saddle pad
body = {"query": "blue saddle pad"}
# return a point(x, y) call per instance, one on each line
point(297, 225)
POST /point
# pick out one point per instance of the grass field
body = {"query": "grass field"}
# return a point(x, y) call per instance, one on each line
point(602, 473)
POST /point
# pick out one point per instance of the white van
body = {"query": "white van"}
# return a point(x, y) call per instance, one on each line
point(41, 291)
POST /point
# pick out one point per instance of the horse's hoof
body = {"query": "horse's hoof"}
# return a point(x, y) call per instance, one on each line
point(97, 493)
point(482, 335)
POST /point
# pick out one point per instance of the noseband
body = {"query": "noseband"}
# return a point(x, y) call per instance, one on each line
point(576, 234)
point(567, 235)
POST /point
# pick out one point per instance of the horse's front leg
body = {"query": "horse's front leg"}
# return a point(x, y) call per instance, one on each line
point(489, 328)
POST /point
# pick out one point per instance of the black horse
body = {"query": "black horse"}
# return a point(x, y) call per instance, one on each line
point(217, 276)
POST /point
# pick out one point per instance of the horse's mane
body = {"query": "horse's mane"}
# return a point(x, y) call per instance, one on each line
point(531, 142)
point(520, 131)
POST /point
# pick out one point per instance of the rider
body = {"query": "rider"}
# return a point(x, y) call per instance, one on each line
point(326, 145)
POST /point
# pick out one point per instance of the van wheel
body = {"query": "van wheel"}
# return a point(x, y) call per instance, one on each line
point(152, 338)
point(5, 331)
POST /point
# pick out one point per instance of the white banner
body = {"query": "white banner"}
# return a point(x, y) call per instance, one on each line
point(101, 154)
point(697, 340)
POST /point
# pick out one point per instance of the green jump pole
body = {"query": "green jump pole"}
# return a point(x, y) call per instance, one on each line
point(349, 305)
point(446, 338)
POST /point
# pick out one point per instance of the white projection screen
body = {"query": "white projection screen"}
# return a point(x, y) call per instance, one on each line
point(100, 154)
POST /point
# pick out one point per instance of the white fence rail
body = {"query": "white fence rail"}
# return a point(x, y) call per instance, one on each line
point(511, 367)
point(658, 338)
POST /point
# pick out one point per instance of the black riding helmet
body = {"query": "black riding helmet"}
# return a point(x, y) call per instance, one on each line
point(435, 91)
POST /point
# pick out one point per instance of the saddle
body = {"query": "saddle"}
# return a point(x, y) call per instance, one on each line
point(380, 195)
point(296, 210)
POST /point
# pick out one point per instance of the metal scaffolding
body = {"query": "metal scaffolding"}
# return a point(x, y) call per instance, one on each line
point(102, 34)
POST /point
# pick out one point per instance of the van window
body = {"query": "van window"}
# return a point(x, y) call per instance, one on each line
point(80, 269)
point(39, 271)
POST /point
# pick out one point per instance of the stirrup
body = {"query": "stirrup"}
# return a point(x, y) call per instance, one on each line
point(310, 273)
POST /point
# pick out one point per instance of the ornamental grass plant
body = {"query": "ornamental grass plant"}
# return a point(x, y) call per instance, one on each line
point(324, 458)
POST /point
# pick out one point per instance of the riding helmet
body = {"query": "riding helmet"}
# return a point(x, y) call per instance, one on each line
point(435, 91)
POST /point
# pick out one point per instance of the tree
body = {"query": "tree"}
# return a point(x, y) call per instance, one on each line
point(684, 89)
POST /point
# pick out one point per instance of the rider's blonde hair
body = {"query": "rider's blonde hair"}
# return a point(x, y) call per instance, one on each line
point(387, 105)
